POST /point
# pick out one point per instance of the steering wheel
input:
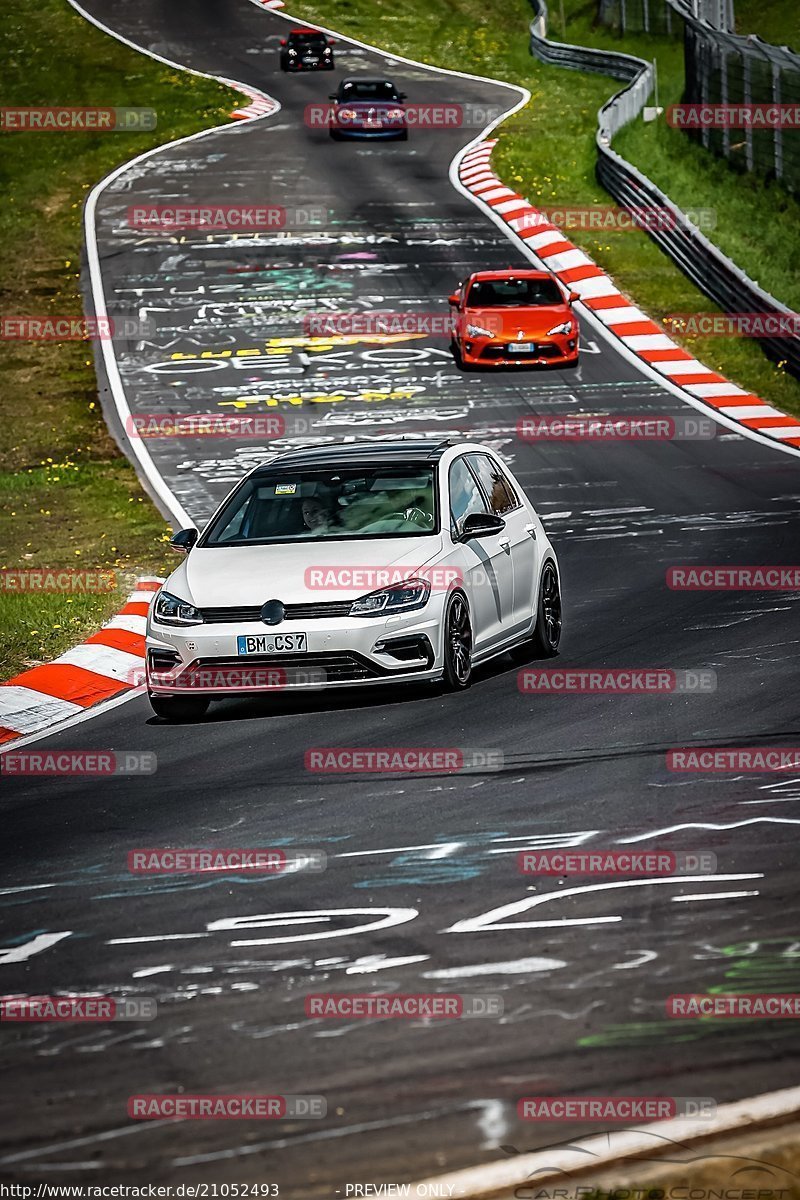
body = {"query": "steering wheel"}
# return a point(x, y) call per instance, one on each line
point(416, 515)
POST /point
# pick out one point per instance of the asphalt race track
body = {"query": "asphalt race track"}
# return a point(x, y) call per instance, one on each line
point(420, 868)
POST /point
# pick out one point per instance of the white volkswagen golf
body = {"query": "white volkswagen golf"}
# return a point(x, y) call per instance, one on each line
point(349, 565)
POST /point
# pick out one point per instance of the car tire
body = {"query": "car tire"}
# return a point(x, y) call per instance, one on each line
point(403, 137)
point(335, 135)
point(547, 630)
point(458, 358)
point(179, 708)
point(457, 644)
point(546, 634)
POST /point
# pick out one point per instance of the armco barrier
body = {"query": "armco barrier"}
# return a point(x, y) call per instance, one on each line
point(707, 267)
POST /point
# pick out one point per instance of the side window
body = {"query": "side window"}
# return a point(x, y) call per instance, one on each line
point(502, 497)
point(465, 495)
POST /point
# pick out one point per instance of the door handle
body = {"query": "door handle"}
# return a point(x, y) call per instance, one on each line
point(531, 529)
point(505, 542)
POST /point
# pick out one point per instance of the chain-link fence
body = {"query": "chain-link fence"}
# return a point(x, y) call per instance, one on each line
point(701, 261)
point(663, 16)
point(723, 68)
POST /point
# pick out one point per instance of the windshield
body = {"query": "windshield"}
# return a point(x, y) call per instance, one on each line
point(312, 41)
point(306, 505)
point(498, 293)
point(371, 89)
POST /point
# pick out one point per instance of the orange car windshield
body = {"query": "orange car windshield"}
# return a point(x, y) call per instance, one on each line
point(501, 293)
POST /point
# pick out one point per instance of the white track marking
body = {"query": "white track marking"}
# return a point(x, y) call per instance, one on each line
point(712, 896)
point(644, 837)
point(42, 941)
point(495, 917)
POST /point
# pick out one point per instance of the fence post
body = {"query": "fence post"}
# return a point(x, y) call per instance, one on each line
point(646, 15)
point(723, 95)
point(747, 98)
point(622, 16)
point(704, 55)
point(776, 96)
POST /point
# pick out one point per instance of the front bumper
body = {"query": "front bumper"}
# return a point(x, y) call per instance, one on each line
point(556, 351)
point(341, 652)
point(323, 65)
point(351, 131)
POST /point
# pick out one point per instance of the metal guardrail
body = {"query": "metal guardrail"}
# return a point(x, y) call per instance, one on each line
point(703, 263)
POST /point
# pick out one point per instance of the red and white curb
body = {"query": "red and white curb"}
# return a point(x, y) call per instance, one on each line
point(598, 292)
point(528, 1175)
point(108, 663)
point(261, 105)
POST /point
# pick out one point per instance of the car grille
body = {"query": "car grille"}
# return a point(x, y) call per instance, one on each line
point(294, 612)
point(541, 350)
point(340, 666)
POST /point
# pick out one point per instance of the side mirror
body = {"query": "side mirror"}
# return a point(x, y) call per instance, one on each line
point(333, 96)
point(573, 296)
point(182, 541)
point(480, 525)
point(331, 41)
point(283, 41)
point(402, 95)
point(454, 300)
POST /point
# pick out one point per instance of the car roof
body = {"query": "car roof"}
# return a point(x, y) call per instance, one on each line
point(366, 79)
point(306, 31)
point(400, 452)
point(512, 273)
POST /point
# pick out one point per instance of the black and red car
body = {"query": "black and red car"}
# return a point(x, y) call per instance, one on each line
point(368, 107)
point(306, 50)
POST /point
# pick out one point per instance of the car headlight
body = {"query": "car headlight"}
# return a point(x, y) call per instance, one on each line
point(400, 597)
point(327, 50)
point(564, 327)
point(395, 114)
point(169, 610)
point(293, 52)
point(347, 114)
point(478, 331)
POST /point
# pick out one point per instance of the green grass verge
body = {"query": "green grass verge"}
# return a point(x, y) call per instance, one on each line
point(67, 497)
point(547, 152)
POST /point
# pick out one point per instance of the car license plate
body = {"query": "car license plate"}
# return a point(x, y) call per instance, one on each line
point(521, 347)
point(310, 61)
point(272, 643)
